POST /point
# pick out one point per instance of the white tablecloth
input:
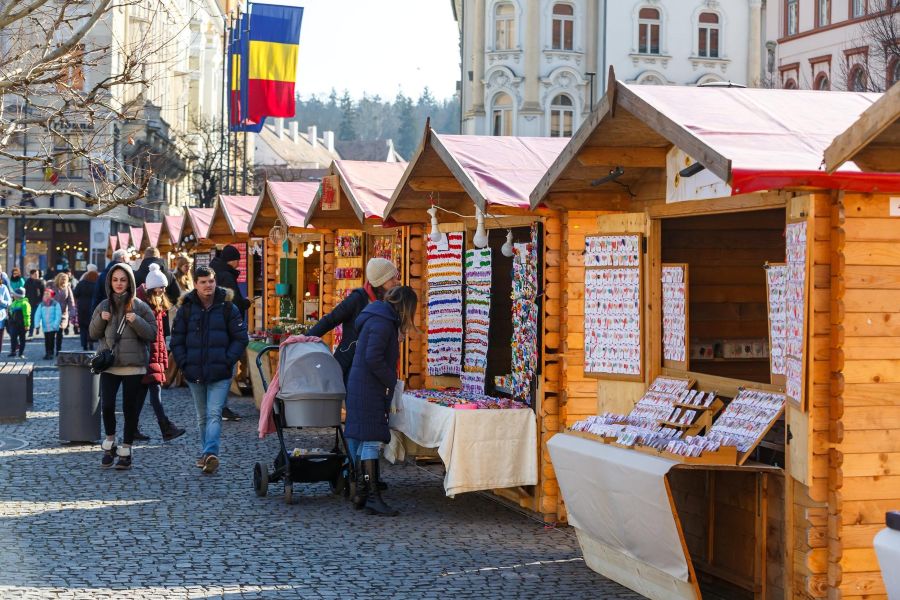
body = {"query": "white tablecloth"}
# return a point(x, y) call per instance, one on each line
point(481, 449)
point(619, 498)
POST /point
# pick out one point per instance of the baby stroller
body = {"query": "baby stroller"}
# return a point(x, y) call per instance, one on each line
point(312, 390)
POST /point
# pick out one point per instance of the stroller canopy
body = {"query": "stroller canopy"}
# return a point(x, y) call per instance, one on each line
point(308, 371)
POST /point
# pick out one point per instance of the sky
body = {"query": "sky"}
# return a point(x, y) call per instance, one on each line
point(377, 47)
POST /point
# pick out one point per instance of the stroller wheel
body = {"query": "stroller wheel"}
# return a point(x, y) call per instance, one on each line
point(288, 492)
point(260, 479)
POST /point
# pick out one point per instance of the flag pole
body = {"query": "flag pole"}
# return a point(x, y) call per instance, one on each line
point(225, 113)
point(244, 174)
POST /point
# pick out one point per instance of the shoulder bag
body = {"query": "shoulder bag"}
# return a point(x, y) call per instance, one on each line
point(106, 358)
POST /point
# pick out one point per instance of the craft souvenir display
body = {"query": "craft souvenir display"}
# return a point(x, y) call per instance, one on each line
point(746, 419)
point(348, 246)
point(347, 273)
point(776, 278)
point(478, 314)
point(795, 309)
point(674, 292)
point(524, 317)
point(612, 321)
point(445, 324)
point(456, 398)
point(612, 251)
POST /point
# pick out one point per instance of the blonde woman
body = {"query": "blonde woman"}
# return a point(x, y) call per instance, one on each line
point(65, 297)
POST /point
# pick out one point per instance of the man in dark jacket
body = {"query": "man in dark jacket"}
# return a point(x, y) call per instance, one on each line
point(100, 290)
point(208, 338)
point(151, 256)
point(34, 292)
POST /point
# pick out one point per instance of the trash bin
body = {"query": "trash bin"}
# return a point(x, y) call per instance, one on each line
point(887, 548)
point(79, 398)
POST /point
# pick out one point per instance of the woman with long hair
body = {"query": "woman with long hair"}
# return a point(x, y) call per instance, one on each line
point(84, 296)
point(370, 388)
point(122, 311)
point(65, 297)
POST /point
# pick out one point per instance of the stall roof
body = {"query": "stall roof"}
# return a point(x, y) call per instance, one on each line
point(231, 217)
point(873, 141)
point(753, 139)
point(114, 242)
point(197, 223)
point(172, 226)
point(367, 186)
point(124, 238)
point(137, 236)
point(491, 170)
point(288, 202)
point(151, 234)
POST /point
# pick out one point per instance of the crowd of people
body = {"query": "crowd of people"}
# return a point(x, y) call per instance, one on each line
point(131, 312)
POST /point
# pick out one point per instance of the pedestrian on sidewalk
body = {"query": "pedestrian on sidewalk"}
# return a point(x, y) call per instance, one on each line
point(182, 277)
point(65, 297)
point(118, 257)
point(5, 301)
point(34, 292)
point(16, 280)
point(370, 388)
point(47, 318)
point(17, 322)
point(153, 292)
point(122, 311)
point(208, 338)
point(84, 295)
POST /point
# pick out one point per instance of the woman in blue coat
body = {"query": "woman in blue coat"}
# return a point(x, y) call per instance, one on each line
point(370, 387)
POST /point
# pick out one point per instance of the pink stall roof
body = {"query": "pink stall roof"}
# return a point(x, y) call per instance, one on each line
point(152, 230)
point(293, 200)
point(769, 139)
point(114, 242)
point(124, 238)
point(239, 211)
point(174, 225)
point(201, 219)
point(499, 170)
point(137, 236)
point(369, 184)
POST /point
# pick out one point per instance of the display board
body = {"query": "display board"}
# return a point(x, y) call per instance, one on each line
point(478, 313)
point(795, 307)
point(445, 304)
point(349, 273)
point(746, 420)
point(675, 316)
point(776, 278)
point(388, 245)
point(201, 259)
point(524, 317)
point(613, 324)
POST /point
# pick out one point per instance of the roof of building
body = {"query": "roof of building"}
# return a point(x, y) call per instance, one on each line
point(238, 211)
point(137, 236)
point(873, 141)
point(174, 224)
point(124, 238)
point(295, 154)
point(368, 150)
point(201, 218)
point(152, 231)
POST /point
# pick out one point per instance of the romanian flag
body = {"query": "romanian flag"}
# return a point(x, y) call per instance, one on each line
point(271, 61)
point(237, 78)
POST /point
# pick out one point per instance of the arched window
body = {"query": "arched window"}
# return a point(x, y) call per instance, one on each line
point(563, 27)
point(708, 43)
point(893, 74)
point(822, 83)
point(856, 80)
point(648, 31)
point(562, 116)
point(504, 26)
point(501, 115)
point(651, 79)
point(790, 84)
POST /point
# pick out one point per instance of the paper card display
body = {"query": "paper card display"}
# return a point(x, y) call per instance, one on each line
point(612, 321)
point(674, 292)
point(612, 251)
point(445, 307)
point(776, 278)
point(478, 314)
point(524, 317)
point(795, 309)
point(746, 419)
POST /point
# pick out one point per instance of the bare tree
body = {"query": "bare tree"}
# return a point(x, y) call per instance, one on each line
point(207, 168)
point(875, 69)
point(59, 125)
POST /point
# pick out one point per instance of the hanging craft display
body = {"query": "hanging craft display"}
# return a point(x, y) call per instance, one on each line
point(456, 398)
point(348, 246)
point(674, 292)
point(478, 314)
point(524, 317)
point(776, 278)
point(795, 309)
point(612, 305)
point(445, 325)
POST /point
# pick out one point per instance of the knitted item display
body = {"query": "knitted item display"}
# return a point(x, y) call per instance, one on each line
point(445, 325)
point(478, 314)
point(524, 317)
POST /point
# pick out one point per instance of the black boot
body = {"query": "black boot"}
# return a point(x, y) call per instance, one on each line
point(169, 430)
point(382, 486)
point(374, 504)
point(361, 493)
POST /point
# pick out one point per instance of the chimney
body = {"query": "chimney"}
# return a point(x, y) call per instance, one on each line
point(312, 132)
point(295, 131)
point(279, 127)
point(329, 140)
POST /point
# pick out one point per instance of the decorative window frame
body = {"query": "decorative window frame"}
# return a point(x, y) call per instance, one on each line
point(817, 15)
point(491, 24)
point(663, 30)
point(786, 32)
point(651, 74)
point(497, 79)
point(564, 80)
point(710, 6)
point(709, 78)
point(578, 28)
point(820, 66)
point(548, 111)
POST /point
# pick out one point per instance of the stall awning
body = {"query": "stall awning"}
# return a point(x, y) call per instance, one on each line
point(238, 212)
point(137, 236)
point(369, 184)
point(174, 225)
point(201, 218)
point(124, 238)
point(292, 200)
point(151, 232)
point(114, 242)
point(873, 141)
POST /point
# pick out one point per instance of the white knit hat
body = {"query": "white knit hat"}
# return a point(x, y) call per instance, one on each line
point(155, 278)
point(380, 270)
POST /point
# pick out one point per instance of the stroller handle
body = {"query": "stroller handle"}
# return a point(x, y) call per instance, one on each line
point(259, 359)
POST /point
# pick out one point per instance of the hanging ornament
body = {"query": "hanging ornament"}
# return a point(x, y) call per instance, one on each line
point(277, 234)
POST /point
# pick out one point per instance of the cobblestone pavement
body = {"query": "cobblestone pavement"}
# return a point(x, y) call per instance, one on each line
point(69, 529)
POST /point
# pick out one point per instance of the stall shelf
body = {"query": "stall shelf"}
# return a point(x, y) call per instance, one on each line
point(676, 166)
point(463, 175)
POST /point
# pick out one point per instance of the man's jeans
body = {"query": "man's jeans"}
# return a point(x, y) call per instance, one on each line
point(209, 399)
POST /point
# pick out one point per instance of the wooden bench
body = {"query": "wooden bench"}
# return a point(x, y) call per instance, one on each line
point(17, 383)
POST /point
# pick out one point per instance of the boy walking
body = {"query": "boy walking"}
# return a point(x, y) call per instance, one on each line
point(18, 322)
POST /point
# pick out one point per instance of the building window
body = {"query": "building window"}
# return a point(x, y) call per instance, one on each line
point(504, 27)
point(68, 161)
point(857, 8)
point(708, 43)
point(501, 115)
point(562, 116)
point(893, 74)
point(790, 84)
point(822, 83)
point(563, 27)
point(792, 17)
point(823, 13)
point(856, 80)
point(648, 31)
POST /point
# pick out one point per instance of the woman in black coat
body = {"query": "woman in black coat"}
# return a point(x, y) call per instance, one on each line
point(84, 296)
point(370, 387)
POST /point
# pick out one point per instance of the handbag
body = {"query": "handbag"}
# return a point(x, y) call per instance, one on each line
point(106, 358)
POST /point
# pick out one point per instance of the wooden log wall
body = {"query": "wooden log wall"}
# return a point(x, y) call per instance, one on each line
point(415, 273)
point(271, 277)
point(327, 277)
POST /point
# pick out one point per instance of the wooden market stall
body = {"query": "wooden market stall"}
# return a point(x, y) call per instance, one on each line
point(112, 246)
point(151, 235)
point(137, 238)
point(466, 200)
point(348, 212)
point(195, 235)
point(230, 225)
point(706, 248)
